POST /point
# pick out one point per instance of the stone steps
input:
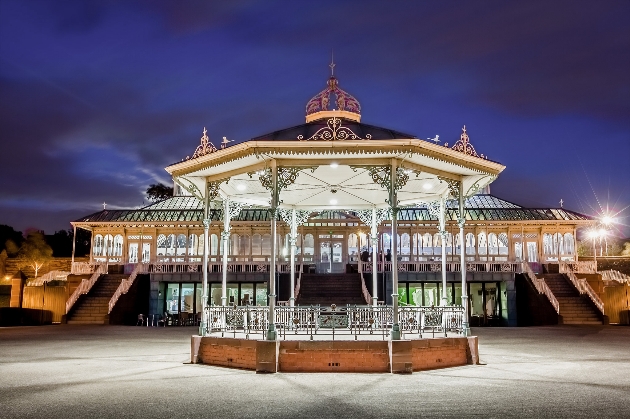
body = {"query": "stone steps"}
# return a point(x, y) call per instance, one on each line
point(574, 308)
point(94, 306)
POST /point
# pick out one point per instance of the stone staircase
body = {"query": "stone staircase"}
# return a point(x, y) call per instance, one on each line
point(574, 308)
point(327, 289)
point(92, 307)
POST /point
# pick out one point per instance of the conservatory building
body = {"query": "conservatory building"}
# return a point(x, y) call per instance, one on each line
point(411, 220)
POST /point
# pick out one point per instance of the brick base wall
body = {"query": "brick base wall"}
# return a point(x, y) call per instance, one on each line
point(334, 356)
point(427, 354)
point(227, 352)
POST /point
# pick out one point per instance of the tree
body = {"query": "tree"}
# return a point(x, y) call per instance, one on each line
point(34, 251)
point(8, 233)
point(159, 191)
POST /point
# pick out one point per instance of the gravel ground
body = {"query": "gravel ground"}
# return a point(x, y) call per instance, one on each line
point(117, 371)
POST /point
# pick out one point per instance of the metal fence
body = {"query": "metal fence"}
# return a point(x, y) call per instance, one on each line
point(352, 321)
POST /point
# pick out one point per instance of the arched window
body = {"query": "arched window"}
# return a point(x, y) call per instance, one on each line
point(118, 245)
point(161, 245)
point(243, 245)
point(427, 244)
point(417, 244)
point(98, 245)
point(493, 244)
point(569, 244)
point(180, 247)
point(109, 245)
point(437, 244)
point(405, 246)
point(558, 245)
point(266, 244)
point(256, 244)
point(483, 244)
point(170, 245)
point(214, 244)
point(449, 243)
point(387, 242)
point(547, 244)
point(309, 247)
point(193, 244)
point(298, 244)
point(503, 244)
point(234, 244)
point(470, 244)
point(458, 246)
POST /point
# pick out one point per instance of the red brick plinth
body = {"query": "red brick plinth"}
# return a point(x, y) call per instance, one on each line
point(402, 356)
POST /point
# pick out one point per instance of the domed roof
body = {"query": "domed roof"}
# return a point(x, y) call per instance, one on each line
point(344, 101)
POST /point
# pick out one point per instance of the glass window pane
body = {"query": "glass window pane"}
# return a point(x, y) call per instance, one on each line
point(431, 294)
point(187, 298)
point(415, 294)
point(247, 294)
point(172, 298)
point(261, 294)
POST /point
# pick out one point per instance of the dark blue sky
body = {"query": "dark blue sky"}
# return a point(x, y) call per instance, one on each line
point(97, 97)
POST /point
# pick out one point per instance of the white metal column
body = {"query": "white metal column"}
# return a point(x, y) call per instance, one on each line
point(462, 250)
point(293, 241)
point(374, 237)
point(443, 236)
point(271, 331)
point(225, 236)
point(393, 202)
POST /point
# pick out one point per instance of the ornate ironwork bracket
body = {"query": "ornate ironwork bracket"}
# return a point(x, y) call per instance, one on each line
point(214, 187)
point(382, 176)
point(334, 131)
point(453, 186)
point(476, 187)
point(301, 216)
point(234, 209)
point(188, 185)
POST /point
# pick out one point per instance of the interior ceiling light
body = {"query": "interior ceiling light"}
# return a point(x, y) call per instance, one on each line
point(427, 186)
point(333, 202)
point(241, 187)
point(334, 165)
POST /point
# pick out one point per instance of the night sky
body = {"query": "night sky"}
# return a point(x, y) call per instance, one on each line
point(97, 97)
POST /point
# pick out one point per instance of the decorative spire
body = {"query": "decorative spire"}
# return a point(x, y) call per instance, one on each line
point(463, 145)
point(332, 63)
point(343, 100)
point(206, 147)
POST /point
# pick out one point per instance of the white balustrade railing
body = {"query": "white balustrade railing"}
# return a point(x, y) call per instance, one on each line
point(612, 275)
point(541, 286)
point(214, 267)
point(125, 286)
point(584, 267)
point(50, 276)
point(85, 286)
point(366, 294)
point(348, 320)
point(436, 266)
point(84, 267)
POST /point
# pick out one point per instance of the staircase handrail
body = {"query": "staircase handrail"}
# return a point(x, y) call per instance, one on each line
point(613, 275)
point(541, 286)
point(125, 286)
point(298, 283)
point(582, 285)
point(366, 294)
point(85, 286)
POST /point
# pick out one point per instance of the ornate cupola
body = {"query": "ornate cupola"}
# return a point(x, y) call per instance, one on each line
point(343, 104)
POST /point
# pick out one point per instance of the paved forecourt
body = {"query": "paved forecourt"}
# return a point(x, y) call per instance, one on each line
point(117, 371)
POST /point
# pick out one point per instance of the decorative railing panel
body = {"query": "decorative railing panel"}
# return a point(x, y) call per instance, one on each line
point(214, 267)
point(85, 286)
point(348, 320)
point(50, 276)
point(84, 267)
point(124, 286)
point(584, 267)
point(436, 266)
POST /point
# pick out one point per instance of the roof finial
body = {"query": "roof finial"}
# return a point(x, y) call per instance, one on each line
point(332, 63)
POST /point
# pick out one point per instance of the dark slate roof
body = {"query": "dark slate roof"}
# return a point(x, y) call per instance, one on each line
point(310, 128)
point(189, 209)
